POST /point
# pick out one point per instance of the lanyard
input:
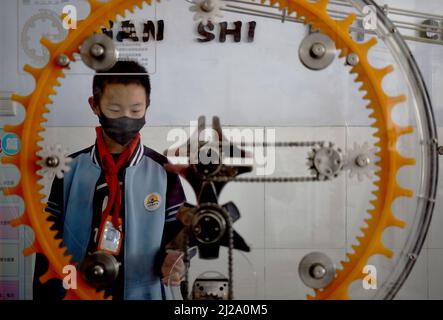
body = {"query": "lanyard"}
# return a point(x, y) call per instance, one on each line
point(111, 222)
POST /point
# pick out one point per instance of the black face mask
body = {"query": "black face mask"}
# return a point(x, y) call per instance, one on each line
point(122, 130)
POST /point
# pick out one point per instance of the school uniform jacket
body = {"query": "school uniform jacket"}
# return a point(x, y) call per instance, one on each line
point(151, 198)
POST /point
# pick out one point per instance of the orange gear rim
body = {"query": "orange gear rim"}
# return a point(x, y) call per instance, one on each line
point(315, 14)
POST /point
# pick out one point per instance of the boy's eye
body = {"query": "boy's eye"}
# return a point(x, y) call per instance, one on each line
point(114, 108)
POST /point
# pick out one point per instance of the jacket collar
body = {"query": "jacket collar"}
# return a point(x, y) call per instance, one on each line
point(135, 159)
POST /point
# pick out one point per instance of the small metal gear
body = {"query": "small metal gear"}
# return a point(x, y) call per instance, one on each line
point(325, 161)
point(26, 39)
point(361, 161)
point(54, 161)
point(207, 10)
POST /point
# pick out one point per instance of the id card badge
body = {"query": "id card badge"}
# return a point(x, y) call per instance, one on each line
point(111, 238)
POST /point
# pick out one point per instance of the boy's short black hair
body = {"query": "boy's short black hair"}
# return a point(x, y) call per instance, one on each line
point(138, 75)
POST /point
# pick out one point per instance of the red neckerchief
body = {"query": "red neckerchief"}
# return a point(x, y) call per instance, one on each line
point(111, 170)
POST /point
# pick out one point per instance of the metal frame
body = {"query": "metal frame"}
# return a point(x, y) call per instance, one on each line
point(258, 9)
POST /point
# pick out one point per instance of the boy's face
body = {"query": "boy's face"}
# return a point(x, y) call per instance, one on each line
point(121, 100)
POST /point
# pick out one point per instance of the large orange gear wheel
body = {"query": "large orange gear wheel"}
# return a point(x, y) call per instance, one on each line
point(315, 14)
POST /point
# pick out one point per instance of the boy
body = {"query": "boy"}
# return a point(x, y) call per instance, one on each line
point(120, 185)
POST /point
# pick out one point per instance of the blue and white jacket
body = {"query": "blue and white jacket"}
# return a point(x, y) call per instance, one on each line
point(148, 226)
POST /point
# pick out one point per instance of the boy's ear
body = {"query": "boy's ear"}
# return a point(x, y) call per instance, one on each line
point(93, 105)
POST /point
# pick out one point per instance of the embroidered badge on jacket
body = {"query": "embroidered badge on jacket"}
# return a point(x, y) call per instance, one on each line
point(152, 201)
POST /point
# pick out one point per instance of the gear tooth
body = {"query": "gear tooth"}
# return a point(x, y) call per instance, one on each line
point(373, 212)
point(15, 160)
point(404, 130)
point(350, 256)
point(24, 100)
point(344, 264)
point(383, 72)
point(66, 253)
point(40, 196)
point(18, 130)
point(371, 222)
point(395, 222)
point(61, 75)
point(291, 10)
point(45, 116)
point(366, 46)
point(393, 101)
point(40, 187)
point(39, 138)
point(139, 3)
point(51, 46)
point(35, 72)
point(50, 274)
point(359, 77)
point(273, 2)
point(373, 203)
point(403, 192)
point(17, 190)
point(45, 109)
point(377, 134)
point(346, 23)
point(58, 242)
point(51, 91)
point(364, 87)
point(404, 161)
point(381, 249)
point(367, 96)
point(282, 4)
point(22, 220)
point(29, 251)
point(364, 230)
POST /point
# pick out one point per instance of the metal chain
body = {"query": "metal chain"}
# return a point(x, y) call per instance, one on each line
point(265, 179)
point(289, 144)
point(230, 258)
point(284, 144)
